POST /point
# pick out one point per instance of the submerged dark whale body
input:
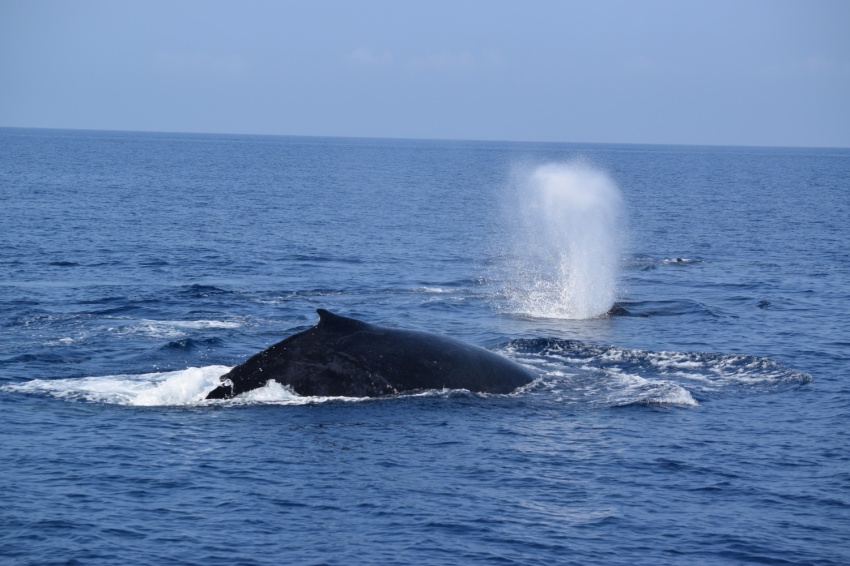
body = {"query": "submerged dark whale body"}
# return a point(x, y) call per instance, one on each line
point(346, 357)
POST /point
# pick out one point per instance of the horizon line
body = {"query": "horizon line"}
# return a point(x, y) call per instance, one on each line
point(400, 138)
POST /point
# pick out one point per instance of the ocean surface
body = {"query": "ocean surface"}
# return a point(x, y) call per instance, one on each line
point(685, 309)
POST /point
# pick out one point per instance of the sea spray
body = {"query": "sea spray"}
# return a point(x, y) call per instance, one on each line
point(566, 225)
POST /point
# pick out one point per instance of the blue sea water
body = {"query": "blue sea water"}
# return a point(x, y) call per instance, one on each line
point(702, 417)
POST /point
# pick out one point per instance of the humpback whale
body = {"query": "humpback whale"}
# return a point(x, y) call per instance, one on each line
point(345, 357)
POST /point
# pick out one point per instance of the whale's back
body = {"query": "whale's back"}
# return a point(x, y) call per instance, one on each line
point(342, 356)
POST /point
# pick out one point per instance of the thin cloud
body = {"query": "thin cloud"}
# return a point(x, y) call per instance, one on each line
point(812, 66)
point(367, 57)
point(640, 64)
point(199, 64)
point(454, 63)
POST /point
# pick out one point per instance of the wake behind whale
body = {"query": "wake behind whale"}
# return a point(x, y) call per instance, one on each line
point(572, 374)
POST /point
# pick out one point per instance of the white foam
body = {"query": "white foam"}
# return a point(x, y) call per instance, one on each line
point(678, 396)
point(277, 394)
point(437, 290)
point(185, 387)
point(171, 329)
point(152, 330)
point(202, 324)
point(633, 389)
point(63, 341)
point(609, 375)
point(175, 388)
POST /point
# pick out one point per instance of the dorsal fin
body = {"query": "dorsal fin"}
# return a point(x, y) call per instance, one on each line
point(331, 321)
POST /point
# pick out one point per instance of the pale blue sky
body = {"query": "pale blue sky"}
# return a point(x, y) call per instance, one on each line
point(742, 72)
